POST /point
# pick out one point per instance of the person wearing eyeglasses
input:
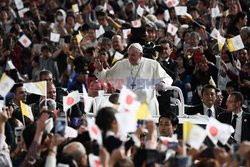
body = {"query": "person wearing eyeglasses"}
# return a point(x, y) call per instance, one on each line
point(239, 119)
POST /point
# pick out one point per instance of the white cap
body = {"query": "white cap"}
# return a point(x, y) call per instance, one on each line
point(137, 46)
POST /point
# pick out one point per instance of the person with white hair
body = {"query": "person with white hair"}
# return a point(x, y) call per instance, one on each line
point(142, 75)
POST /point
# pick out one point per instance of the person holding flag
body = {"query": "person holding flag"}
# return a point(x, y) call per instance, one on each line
point(20, 94)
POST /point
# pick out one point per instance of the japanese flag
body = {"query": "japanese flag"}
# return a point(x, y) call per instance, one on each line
point(94, 132)
point(94, 161)
point(25, 41)
point(127, 100)
point(136, 23)
point(171, 3)
point(218, 131)
point(70, 100)
point(172, 29)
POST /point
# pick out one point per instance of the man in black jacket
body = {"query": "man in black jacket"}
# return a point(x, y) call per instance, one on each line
point(235, 116)
point(208, 97)
point(171, 68)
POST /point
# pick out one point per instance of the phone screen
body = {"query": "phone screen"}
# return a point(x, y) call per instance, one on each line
point(60, 126)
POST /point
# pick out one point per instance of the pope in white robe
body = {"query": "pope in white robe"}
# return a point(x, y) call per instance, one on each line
point(142, 75)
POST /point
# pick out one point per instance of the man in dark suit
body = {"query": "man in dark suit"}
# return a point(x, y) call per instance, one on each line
point(235, 116)
point(208, 97)
point(167, 63)
point(171, 68)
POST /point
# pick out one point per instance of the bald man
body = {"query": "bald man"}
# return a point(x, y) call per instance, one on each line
point(77, 151)
point(142, 75)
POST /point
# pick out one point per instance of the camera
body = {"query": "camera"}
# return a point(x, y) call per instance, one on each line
point(150, 49)
point(18, 134)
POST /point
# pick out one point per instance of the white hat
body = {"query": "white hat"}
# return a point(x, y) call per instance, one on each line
point(137, 46)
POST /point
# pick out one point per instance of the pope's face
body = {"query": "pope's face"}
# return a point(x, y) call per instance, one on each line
point(134, 55)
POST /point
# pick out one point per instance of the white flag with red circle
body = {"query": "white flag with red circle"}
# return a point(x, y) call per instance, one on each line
point(136, 23)
point(70, 100)
point(172, 29)
point(25, 41)
point(94, 161)
point(171, 3)
point(218, 131)
point(127, 100)
point(94, 132)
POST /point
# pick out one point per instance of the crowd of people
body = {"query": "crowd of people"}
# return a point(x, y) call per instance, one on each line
point(97, 47)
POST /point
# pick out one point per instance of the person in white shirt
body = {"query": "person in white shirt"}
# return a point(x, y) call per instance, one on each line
point(142, 75)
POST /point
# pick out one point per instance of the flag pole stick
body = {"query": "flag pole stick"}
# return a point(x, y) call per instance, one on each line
point(46, 105)
point(22, 115)
point(4, 101)
point(184, 147)
point(23, 120)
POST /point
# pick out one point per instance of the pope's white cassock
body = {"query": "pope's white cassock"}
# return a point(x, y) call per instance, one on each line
point(140, 78)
